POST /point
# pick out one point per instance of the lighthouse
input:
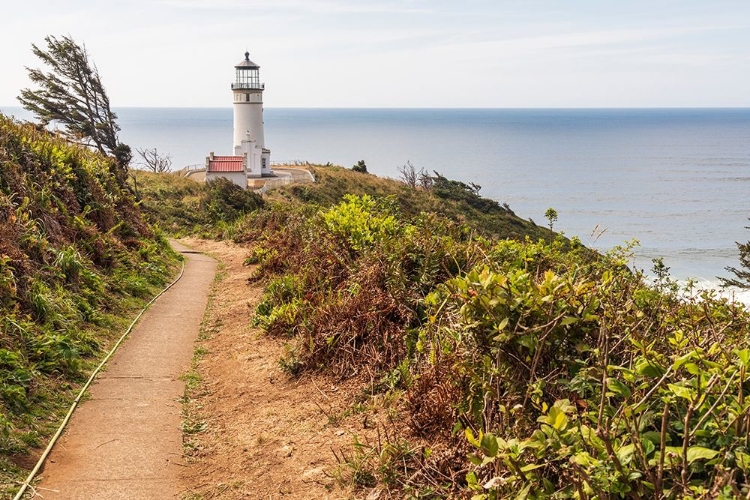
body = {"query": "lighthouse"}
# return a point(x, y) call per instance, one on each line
point(249, 139)
point(251, 159)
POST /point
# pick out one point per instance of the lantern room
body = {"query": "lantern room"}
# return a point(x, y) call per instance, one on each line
point(247, 75)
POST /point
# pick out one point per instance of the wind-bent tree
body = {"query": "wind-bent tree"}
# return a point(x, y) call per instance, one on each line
point(72, 94)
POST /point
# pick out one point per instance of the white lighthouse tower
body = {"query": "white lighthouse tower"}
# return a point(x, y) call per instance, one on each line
point(248, 118)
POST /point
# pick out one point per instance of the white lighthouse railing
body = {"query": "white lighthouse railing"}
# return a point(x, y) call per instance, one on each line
point(300, 177)
point(243, 86)
point(190, 169)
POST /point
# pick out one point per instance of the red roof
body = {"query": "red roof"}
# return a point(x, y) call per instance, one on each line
point(225, 164)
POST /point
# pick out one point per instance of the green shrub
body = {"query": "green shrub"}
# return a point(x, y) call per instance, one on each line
point(224, 201)
point(592, 386)
point(563, 373)
point(360, 167)
point(361, 221)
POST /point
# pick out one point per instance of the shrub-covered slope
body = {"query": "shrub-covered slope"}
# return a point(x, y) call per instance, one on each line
point(520, 369)
point(515, 363)
point(452, 199)
point(75, 256)
point(182, 206)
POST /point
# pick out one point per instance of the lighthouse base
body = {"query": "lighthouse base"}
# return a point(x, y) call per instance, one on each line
point(258, 158)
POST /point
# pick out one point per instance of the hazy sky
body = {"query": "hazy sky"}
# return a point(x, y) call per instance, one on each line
point(407, 53)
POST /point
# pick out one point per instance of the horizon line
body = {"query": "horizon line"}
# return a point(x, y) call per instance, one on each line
point(428, 107)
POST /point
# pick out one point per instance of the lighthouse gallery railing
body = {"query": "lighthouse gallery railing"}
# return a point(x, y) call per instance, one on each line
point(242, 86)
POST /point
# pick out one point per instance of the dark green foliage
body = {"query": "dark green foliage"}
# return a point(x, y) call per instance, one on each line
point(74, 251)
point(225, 201)
point(181, 206)
point(72, 94)
point(360, 167)
point(742, 274)
point(462, 192)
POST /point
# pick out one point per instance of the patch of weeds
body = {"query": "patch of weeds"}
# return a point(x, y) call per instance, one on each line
point(9, 475)
point(193, 427)
point(30, 439)
point(389, 461)
point(192, 379)
point(290, 362)
point(192, 423)
point(355, 469)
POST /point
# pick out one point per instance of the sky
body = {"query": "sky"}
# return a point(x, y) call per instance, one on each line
point(407, 53)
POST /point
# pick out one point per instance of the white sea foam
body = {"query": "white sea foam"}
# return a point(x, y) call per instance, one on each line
point(696, 288)
point(731, 293)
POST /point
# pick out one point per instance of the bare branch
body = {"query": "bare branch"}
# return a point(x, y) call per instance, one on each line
point(153, 161)
point(409, 175)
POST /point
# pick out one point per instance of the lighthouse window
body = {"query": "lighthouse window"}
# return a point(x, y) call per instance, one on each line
point(248, 79)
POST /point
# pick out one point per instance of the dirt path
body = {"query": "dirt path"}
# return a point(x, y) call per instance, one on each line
point(125, 441)
point(263, 434)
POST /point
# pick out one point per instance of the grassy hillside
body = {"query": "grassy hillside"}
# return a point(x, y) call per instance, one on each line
point(182, 206)
point(452, 199)
point(76, 257)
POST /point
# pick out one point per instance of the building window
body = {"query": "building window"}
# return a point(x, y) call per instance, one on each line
point(247, 97)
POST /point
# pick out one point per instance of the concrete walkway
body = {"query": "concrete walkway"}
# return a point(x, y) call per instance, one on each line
point(125, 441)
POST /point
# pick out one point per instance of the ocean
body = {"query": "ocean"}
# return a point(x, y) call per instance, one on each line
point(676, 180)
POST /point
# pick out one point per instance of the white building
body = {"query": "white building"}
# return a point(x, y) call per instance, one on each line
point(233, 168)
point(250, 154)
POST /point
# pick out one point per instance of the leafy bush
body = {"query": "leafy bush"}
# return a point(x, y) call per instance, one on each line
point(360, 272)
point(225, 201)
point(586, 386)
point(361, 221)
point(544, 371)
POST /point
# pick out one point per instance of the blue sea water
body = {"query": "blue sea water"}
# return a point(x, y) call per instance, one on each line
point(677, 180)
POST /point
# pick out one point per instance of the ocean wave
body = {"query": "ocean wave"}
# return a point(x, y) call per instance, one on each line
point(694, 289)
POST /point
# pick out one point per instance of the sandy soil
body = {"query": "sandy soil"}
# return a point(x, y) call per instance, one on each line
point(266, 435)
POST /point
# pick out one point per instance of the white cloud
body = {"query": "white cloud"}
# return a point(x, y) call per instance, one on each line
point(398, 53)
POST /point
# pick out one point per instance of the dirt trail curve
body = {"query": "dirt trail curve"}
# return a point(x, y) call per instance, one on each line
point(125, 441)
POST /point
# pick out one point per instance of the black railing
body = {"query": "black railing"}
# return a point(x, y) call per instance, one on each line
point(260, 86)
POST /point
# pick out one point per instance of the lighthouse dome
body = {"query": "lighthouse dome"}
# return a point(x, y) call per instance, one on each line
point(246, 63)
